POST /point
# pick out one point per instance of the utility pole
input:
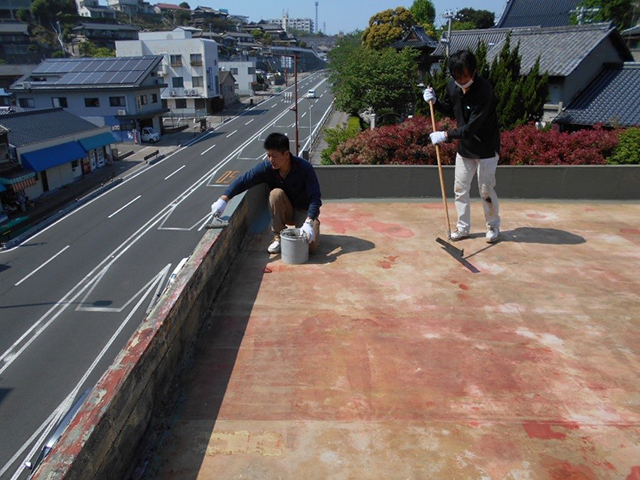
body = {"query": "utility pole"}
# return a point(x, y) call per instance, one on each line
point(448, 15)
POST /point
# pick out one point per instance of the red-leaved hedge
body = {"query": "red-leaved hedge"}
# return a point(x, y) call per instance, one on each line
point(408, 144)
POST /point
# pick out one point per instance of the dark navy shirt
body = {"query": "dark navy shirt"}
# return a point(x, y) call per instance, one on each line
point(475, 111)
point(300, 185)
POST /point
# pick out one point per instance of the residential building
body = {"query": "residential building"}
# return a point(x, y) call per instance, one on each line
point(15, 43)
point(6, 103)
point(612, 98)
point(161, 8)
point(418, 39)
point(91, 9)
point(189, 68)
point(11, 73)
point(572, 55)
point(287, 24)
point(121, 93)
point(244, 73)
point(537, 13)
point(103, 34)
point(130, 6)
point(9, 8)
point(51, 148)
point(205, 18)
point(228, 88)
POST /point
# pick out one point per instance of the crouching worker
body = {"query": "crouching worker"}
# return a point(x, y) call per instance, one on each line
point(294, 197)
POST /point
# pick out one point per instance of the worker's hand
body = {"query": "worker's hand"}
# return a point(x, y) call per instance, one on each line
point(438, 137)
point(429, 95)
point(307, 231)
point(218, 207)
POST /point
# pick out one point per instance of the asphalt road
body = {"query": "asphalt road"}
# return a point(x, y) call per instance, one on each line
point(71, 295)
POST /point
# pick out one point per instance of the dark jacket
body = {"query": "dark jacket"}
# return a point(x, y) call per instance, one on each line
point(300, 185)
point(478, 131)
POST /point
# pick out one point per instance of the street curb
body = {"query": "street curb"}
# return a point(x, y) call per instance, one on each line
point(60, 213)
point(107, 433)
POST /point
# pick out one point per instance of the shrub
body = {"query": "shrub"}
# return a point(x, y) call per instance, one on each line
point(404, 144)
point(336, 136)
point(628, 149)
point(526, 145)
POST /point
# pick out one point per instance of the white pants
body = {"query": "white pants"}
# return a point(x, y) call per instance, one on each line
point(465, 170)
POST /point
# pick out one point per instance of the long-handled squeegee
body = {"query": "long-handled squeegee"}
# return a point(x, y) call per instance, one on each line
point(456, 252)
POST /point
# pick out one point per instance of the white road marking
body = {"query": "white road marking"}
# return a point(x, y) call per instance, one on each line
point(207, 149)
point(41, 266)
point(125, 206)
point(168, 177)
point(232, 133)
point(250, 121)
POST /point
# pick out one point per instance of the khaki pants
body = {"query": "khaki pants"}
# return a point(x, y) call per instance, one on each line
point(283, 214)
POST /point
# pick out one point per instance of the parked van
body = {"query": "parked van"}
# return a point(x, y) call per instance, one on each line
point(149, 135)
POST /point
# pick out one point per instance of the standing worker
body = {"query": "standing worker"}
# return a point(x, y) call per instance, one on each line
point(294, 197)
point(470, 99)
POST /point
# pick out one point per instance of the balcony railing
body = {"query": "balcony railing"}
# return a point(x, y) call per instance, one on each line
point(196, 63)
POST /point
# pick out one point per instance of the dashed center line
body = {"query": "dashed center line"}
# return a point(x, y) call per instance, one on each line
point(122, 208)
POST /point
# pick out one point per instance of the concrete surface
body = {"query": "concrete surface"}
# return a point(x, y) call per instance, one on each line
point(385, 357)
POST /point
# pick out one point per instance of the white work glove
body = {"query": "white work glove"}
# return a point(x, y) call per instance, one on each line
point(429, 95)
point(218, 207)
point(438, 137)
point(307, 231)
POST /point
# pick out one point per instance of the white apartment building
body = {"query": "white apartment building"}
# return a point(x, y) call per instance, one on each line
point(244, 72)
point(189, 68)
point(302, 24)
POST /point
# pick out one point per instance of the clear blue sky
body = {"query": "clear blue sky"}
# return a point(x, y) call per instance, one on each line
point(337, 15)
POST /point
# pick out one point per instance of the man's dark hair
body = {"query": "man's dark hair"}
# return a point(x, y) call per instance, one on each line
point(460, 61)
point(277, 141)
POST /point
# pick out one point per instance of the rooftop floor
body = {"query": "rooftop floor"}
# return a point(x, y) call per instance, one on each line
point(384, 357)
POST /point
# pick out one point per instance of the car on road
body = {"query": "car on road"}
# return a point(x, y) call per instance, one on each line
point(311, 93)
point(149, 135)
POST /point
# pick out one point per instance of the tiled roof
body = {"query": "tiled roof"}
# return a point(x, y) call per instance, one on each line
point(416, 38)
point(106, 26)
point(41, 125)
point(612, 98)
point(561, 49)
point(13, 28)
point(543, 13)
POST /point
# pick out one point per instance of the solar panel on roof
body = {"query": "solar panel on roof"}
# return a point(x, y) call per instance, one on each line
point(131, 77)
point(119, 77)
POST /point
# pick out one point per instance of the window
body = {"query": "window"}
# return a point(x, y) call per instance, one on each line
point(181, 103)
point(91, 102)
point(234, 71)
point(143, 100)
point(197, 81)
point(177, 82)
point(154, 98)
point(27, 103)
point(176, 60)
point(251, 71)
point(117, 101)
point(59, 102)
point(196, 59)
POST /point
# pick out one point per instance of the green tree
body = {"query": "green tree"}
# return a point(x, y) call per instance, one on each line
point(628, 149)
point(185, 5)
point(387, 27)
point(480, 19)
point(51, 9)
point(338, 135)
point(22, 14)
point(88, 49)
point(423, 12)
point(620, 12)
point(363, 78)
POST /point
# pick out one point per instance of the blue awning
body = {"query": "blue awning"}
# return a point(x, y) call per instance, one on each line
point(97, 141)
point(40, 160)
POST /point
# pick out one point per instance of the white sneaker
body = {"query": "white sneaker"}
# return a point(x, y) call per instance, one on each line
point(275, 245)
point(492, 234)
point(459, 235)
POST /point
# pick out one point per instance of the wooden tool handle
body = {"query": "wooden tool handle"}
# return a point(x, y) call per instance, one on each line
point(444, 195)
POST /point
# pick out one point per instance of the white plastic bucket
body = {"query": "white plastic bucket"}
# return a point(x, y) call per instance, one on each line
point(294, 247)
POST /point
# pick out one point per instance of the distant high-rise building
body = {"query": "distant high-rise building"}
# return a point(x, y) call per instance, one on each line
point(302, 24)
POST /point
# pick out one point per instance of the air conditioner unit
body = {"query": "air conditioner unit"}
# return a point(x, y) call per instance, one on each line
point(172, 93)
point(194, 92)
point(122, 112)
